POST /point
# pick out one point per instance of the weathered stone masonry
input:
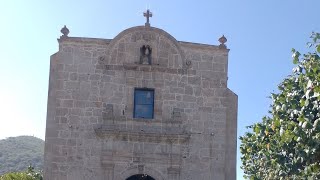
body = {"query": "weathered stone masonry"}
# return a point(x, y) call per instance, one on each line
point(91, 132)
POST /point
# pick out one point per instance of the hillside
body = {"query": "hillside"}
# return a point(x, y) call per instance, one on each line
point(17, 153)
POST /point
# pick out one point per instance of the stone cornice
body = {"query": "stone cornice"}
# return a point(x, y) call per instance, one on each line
point(168, 135)
point(202, 47)
point(84, 40)
point(150, 68)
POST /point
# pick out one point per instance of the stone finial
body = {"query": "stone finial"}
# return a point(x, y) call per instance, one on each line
point(222, 41)
point(65, 31)
point(147, 14)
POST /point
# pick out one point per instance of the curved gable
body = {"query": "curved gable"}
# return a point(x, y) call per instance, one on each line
point(125, 47)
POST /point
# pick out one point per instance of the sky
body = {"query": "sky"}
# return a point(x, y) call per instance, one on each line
point(260, 37)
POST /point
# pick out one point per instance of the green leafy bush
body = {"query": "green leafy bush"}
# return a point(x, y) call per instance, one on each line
point(30, 174)
point(286, 145)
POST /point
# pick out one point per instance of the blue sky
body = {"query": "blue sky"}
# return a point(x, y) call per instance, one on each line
point(260, 35)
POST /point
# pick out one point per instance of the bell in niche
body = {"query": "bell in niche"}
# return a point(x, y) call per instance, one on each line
point(145, 57)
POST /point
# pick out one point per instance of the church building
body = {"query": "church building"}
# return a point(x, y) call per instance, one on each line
point(140, 106)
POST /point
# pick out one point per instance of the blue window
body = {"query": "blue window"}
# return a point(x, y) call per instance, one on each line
point(143, 103)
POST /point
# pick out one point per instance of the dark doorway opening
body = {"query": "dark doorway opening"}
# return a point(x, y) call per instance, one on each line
point(140, 177)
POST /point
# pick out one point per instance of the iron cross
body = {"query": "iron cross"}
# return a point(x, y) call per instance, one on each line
point(147, 14)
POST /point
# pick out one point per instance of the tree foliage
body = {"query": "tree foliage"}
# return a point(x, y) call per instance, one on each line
point(17, 153)
point(286, 144)
point(30, 174)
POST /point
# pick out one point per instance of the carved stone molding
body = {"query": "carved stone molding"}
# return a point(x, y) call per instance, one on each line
point(149, 68)
point(140, 159)
point(168, 135)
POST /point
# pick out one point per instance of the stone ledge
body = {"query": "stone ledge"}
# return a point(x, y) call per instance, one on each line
point(82, 40)
point(111, 157)
point(202, 47)
point(144, 120)
point(157, 135)
point(150, 68)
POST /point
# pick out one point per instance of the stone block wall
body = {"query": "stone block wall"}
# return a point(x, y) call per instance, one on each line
point(91, 132)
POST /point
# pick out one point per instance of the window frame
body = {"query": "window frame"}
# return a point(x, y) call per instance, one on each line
point(135, 102)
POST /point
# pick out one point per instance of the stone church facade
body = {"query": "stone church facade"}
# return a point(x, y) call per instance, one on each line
point(140, 106)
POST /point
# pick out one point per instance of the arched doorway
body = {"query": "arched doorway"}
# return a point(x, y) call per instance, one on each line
point(140, 177)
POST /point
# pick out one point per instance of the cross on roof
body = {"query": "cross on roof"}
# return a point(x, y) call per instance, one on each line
point(147, 14)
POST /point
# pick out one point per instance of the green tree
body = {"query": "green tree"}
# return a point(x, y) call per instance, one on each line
point(16, 153)
point(30, 174)
point(286, 144)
